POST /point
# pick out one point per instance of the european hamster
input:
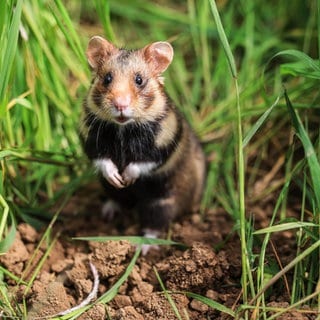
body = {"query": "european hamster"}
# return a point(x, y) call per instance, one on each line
point(148, 156)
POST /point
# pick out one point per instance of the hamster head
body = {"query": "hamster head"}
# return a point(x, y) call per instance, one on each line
point(127, 85)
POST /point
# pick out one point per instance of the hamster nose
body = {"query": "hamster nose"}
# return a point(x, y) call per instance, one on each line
point(122, 102)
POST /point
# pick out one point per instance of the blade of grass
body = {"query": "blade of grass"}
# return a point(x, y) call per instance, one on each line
point(223, 39)
point(246, 268)
point(45, 237)
point(306, 66)
point(67, 27)
point(286, 226)
point(10, 49)
point(107, 296)
point(290, 265)
point(135, 240)
point(103, 10)
point(5, 303)
point(310, 153)
point(39, 265)
point(211, 303)
point(4, 216)
point(261, 277)
point(259, 123)
point(167, 295)
point(211, 182)
point(295, 305)
point(6, 243)
point(12, 276)
point(299, 268)
point(112, 292)
point(314, 168)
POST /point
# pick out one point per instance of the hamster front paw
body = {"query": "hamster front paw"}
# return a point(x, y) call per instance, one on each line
point(134, 170)
point(110, 172)
point(130, 174)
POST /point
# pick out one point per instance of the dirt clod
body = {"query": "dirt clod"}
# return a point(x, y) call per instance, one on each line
point(52, 300)
point(199, 306)
point(14, 259)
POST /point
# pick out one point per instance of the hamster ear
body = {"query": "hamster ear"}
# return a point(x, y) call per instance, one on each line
point(98, 50)
point(159, 55)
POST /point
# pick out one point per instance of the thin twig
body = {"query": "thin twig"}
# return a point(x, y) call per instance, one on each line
point(91, 295)
point(86, 301)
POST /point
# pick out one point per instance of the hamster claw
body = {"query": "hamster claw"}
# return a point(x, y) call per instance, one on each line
point(110, 172)
point(116, 181)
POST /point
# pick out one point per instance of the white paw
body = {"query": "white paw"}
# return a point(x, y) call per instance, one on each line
point(131, 173)
point(134, 170)
point(110, 172)
point(109, 209)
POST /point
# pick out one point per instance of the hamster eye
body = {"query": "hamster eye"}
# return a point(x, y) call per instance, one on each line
point(107, 79)
point(138, 80)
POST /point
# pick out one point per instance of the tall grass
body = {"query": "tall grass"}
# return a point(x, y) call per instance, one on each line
point(39, 101)
point(240, 118)
point(246, 270)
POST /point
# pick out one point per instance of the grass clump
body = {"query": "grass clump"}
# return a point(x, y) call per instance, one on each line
point(262, 139)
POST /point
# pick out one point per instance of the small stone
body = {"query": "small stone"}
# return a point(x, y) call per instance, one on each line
point(129, 313)
point(196, 218)
point(198, 306)
point(27, 232)
point(97, 312)
point(213, 295)
point(122, 301)
point(61, 265)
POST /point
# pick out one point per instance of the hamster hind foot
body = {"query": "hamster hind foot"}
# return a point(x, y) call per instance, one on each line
point(151, 234)
point(109, 209)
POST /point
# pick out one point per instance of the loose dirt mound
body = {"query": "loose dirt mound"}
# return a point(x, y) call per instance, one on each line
point(210, 266)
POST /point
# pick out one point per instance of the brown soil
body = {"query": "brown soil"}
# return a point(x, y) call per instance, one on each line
point(210, 266)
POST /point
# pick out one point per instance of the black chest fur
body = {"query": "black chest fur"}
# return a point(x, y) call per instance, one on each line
point(122, 144)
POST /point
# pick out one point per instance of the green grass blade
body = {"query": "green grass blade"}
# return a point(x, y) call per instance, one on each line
point(4, 216)
point(300, 56)
point(107, 296)
point(258, 124)
point(289, 266)
point(310, 153)
point(112, 292)
point(103, 10)
point(211, 303)
point(66, 26)
point(246, 267)
point(167, 295)
point(286, 226)
point(135, 240)
point(223, 39)
point(9, 50)
point(6, 243)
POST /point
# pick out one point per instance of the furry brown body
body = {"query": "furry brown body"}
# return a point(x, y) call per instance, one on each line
point(149, 158)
